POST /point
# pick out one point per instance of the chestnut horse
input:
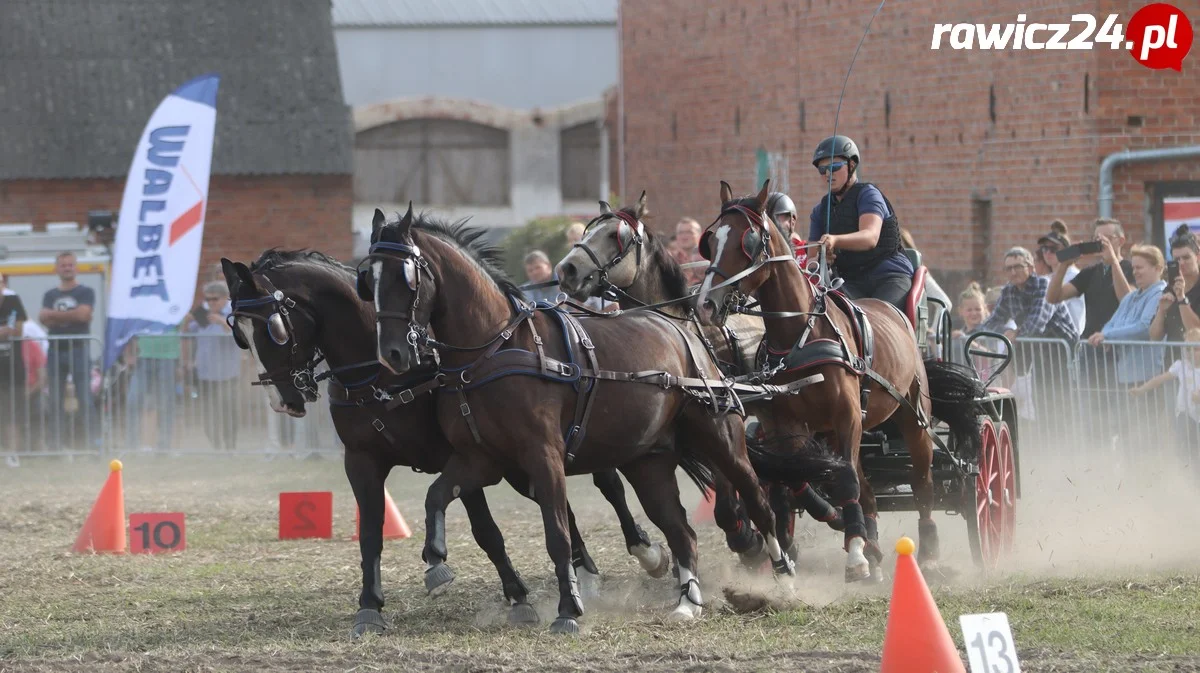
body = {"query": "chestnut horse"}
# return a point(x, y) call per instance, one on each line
point(866, 350)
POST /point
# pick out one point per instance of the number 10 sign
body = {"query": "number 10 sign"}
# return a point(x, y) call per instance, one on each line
point(990, 647)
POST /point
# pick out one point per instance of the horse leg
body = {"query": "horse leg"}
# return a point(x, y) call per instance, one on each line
point(920, 449)
point(731, 517)
point(654, 559)
point(870, 511)
point(585, 566)
point(653, 479)
point(545, 470)
point(464, 472)
point(491, 541)
point(846, 488)
point(366, 480)
point(785, 519)
point(723, 440)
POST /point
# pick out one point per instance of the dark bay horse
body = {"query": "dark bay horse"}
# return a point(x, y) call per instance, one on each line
point(293, 309)
point(620, 255)
point(556, 394)
point(873, 368)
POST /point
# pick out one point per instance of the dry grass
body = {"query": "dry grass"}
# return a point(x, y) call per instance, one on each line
point(240, 600)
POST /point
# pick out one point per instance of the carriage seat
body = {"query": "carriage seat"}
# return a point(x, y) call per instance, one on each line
point(915, 306)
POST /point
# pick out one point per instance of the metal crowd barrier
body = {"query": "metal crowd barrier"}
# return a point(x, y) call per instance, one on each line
point(1094, 402)
point(172, 398)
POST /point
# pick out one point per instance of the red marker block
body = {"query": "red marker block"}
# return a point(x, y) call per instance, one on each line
point(306, 515)
point(157, 532)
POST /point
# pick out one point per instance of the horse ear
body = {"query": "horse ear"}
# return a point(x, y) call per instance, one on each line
point(641, 210)
point(377, 223)
point(726, 193)
point(763, 195)
point(241, 274)
point(407, 220)
point(605, 209)
point(231, 277)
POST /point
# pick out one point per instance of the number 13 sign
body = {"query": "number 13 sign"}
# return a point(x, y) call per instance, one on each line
point(990, 647)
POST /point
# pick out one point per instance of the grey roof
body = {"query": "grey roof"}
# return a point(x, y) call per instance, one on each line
point(79, 79)
point(413, 13)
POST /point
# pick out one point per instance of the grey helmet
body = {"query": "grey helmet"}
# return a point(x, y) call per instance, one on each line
point(836, 146)
point(778, 204)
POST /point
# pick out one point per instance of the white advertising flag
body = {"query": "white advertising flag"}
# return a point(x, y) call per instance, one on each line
point(156, 255)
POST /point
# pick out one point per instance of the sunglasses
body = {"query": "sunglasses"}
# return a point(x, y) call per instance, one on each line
point(213, 298)
point(835, 167)
point(1013, 267)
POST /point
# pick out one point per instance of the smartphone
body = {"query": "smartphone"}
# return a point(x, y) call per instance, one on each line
point(200, 315)
point(1172, 272)
point(1073, 252)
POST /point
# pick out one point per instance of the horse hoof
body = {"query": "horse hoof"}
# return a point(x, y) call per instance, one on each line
point(784, 567)
point(589, 584)
point(876, 573)
point(438, 578)
point(654, 560)
point(367, 621)
point(686, 612)
point(565, 625)
point(523, 614)
point(857, 573)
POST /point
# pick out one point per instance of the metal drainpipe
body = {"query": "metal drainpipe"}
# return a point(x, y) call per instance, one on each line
point(1127, 156)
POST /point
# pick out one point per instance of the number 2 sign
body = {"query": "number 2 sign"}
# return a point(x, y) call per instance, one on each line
point(305, 515)
point(990, 647)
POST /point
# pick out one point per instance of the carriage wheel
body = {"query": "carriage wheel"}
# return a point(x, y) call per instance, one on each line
point(1008, 488)
point(987, 523)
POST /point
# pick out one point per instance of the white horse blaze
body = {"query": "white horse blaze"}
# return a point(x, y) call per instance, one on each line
point(376, 272)
point(246, 329)
point(722, 236)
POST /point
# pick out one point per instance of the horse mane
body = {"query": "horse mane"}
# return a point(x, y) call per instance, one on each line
point(674, 281)
point(274, 258)
point(470, 241)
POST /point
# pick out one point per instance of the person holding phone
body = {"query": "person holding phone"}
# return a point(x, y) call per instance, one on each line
point(1100, 287)
point(1049, 247)
point(1180, 301)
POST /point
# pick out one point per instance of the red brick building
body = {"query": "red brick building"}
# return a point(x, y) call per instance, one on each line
point(978, 150)
point(80, 85)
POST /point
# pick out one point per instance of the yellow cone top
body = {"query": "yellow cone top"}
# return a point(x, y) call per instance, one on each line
point(905, 546)
point(115, 465)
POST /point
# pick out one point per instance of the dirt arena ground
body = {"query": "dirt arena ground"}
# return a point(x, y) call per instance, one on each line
point(1105, 578)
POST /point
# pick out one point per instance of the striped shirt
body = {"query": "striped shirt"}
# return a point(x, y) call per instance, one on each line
point(1035, 317)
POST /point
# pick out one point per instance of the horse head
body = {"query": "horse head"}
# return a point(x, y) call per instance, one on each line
point(601, 259)
point(738, 246)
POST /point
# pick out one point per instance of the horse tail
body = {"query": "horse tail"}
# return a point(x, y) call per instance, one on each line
point(698, 471)
point(814, 462)
point(956, 395)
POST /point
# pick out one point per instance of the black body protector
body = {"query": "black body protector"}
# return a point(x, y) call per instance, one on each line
point(843, 219)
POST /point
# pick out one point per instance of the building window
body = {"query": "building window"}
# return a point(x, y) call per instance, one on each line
point(580, 162)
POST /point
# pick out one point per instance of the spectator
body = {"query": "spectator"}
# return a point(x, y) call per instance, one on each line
point(687, 242)
point(574, 234)
point(156, 368)
point(539, 270)
point(218, 365)
point(67, 312)
point(1048, 247)
point(1134, 315)
point(12, 366)
point(1177, 309)
point(1186, 372)
point(1023, 301)
point(972, 309)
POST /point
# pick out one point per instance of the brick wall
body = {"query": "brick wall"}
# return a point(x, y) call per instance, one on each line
point(246, 214)
point(708, 83)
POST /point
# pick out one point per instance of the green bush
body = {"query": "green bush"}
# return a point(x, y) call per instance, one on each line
point(547, 234)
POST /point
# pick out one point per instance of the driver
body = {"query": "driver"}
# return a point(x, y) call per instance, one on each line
point(858, 228)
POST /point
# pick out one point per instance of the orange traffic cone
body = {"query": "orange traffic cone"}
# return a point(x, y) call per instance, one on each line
point(916, 640)
point(704, 511)
point(104, 529)
point(394, 525)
